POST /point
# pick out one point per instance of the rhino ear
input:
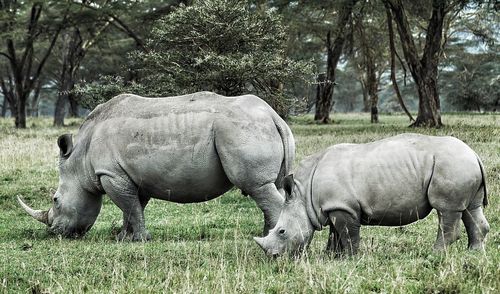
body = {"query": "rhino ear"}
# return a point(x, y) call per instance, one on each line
point(288, 185)
point(65, 143)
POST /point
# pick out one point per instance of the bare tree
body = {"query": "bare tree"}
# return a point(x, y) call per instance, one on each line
point(24, 67)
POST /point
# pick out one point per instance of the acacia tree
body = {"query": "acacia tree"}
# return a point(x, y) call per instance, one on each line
point(213, 45)
point(424, 68)
point(24, 31)
point(470, 69)
point(368, 52)
point(119, 18)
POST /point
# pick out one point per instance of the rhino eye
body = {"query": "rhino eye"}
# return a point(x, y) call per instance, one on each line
point(281, 231)
point(56, 202)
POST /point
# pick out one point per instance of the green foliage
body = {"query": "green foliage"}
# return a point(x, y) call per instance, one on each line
point(219, 46)
point(470, 78)
point(475, 83)
point(104, 89)
point(208, 247)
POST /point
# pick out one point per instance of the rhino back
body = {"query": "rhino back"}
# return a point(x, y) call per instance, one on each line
point(166, 145)
point(397, 180)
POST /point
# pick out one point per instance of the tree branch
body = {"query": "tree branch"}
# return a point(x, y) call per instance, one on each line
point(90, 42)
point(36, 11)
point(407, 41)
point(118, 23)
point(6, 55)
point(48, 51)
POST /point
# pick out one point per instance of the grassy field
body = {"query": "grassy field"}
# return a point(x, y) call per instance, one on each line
point(208, 247)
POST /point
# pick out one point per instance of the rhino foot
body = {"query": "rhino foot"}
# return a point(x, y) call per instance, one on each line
point(125, 235)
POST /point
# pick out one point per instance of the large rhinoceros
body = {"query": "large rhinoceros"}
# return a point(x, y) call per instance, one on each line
point(391, 182)
point(184, 149)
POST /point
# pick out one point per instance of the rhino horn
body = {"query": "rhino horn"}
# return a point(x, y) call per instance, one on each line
point(39, 215)
point(260, 241)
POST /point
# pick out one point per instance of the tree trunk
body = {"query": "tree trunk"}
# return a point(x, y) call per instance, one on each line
point(73, 55)
point(20, 120)
point(424, 70)
point(392, 50)
point(13, 109)
point(371, 82)
point(323, 105)
point(366, 97)
point(35, 100)
point(73, 103)
point(4, 106)
point(324, 102)
point(429, 113)
point(60, 110)
point(370, 79)
point(7, 97)
point(372, 92)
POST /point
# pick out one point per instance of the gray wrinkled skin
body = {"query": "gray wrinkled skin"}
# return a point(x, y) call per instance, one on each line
point(391, 182)
point(184, 149)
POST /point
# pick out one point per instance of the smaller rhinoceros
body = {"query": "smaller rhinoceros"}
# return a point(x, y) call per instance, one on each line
point(391, 182)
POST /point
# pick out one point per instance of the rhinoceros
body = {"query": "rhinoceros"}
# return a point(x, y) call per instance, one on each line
point(391, 182)
point(183, 149)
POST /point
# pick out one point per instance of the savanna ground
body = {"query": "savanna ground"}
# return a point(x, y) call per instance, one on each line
point(208, 247)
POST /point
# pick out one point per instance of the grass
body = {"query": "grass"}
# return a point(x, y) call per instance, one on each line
point(208, 247)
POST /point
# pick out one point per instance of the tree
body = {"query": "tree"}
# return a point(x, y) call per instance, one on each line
point(469, 73)
point(424, 69)
point(24, 42)
point(369, 53)
point(324, 102)
point(214, 45)
point(81, 35)
point(393, 54)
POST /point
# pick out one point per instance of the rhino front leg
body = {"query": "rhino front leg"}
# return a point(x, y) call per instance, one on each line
point(127, 230)
point(270, 201)
point(448, 229)
point(344, 233)
point(125, 195)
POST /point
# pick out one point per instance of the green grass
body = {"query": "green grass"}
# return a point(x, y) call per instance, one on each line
point(208, 247)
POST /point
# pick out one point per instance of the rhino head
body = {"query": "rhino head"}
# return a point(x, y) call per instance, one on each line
point(75, 208)
point(293, 231)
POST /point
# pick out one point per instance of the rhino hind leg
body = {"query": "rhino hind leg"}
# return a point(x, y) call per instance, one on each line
point(334, 245)
point(125, 195)
point(476, 226)
point(448, 229)
point(344, 233)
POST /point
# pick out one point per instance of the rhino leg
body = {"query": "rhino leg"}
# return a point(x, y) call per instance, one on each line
point(344, 233)
point(333, 245)
point(448, 229)
point(125, 195)
point(476, 226)
point(127, 230)
point(270, 201)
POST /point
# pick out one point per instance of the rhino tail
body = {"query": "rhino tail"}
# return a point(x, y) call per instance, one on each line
point(288, 148)
point(483, 175)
